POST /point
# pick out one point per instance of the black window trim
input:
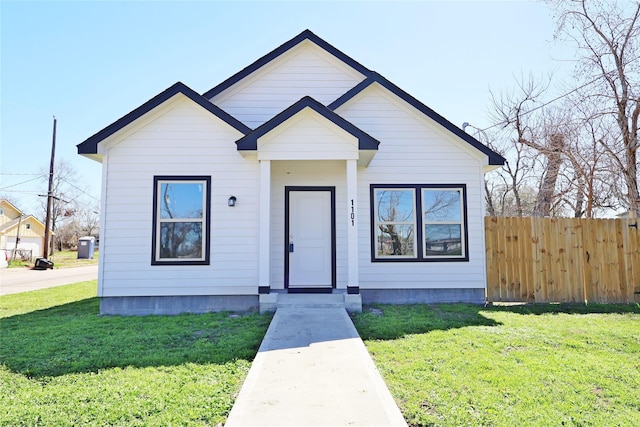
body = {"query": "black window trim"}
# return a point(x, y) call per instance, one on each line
point(207, 220)
point(420, 257)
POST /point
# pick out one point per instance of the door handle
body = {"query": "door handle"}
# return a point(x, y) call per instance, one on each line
point(291, 247)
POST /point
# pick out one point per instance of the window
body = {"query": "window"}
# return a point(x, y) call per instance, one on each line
point(438, 232)
point(395, 222)
point(181, 220)
point(442, 220)
point(27, 226)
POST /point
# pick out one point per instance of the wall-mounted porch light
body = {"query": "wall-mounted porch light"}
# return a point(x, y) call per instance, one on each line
point(232, 201)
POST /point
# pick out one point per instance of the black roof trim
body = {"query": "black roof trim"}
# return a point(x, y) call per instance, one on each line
point(250, 141)
point(90, 145)
point(306, 34)
point(494, 158)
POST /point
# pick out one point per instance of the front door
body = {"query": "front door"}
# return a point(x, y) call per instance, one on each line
point(310, 237)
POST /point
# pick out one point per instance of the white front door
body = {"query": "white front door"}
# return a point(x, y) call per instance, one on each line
point(310, 239)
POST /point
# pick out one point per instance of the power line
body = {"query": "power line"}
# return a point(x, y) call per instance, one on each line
point(38, 176)
point(19, 183)
point(79, 189)
point(590, 82)
point(20, 191)
point(507, 121)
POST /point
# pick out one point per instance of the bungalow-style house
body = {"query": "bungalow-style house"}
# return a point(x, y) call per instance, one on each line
point(15, 225)
point(305, 172)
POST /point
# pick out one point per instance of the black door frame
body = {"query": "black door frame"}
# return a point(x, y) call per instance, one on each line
point(332, 191)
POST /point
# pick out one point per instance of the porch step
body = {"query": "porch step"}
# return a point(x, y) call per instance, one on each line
point(311, 300)
point(273, 301)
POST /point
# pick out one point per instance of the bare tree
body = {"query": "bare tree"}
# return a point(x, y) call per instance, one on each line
point(503, 187)
point(555, 153)
point(579, 157)
point(607, 35)
point(537, 138)
point(65, 196)
point(89, 220)
point(507, 191)
point(589, 182)
point(85, 222)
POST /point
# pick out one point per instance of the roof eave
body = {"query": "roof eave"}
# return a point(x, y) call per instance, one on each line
point(280, 50)
point(250, 141)
point(89, 147)
point(493, 157)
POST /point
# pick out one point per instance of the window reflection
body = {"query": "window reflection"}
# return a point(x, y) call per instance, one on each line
point(395, 222)
point(443, 239)
point(442, 213)
point(181, 240)
point(180, 200)
point(441, 205)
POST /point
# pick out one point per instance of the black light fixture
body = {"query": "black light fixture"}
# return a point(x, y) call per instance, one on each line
point(232, 201)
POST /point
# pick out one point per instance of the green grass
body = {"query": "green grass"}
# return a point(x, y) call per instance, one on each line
point(62, 259)
point(62, 364)
point(67, 259)
point(547, 365)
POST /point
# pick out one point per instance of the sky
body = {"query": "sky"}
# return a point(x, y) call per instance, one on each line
point(89, 63)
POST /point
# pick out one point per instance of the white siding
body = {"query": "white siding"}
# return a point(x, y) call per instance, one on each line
point(186, 140)
point(304, 70)
point(413, 150)
point(308, 136)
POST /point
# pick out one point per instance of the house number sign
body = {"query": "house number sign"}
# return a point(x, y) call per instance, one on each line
point(353, 214)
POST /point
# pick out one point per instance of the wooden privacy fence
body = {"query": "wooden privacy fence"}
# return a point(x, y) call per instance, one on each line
point(562, 260)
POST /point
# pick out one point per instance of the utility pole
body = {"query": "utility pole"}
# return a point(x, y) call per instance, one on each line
point(15, 249)
point(45, 252)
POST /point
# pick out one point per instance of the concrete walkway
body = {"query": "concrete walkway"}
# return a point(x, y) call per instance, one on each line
point(313, 369)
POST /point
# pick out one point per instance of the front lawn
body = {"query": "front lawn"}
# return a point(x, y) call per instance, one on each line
point(61, 364)
point(446, 365)
point(543, 365)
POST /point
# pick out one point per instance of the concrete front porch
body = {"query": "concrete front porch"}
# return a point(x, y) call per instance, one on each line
point(274, 300)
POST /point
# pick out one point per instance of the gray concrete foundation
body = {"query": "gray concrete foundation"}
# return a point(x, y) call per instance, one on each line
point(422, 296)
point(168, 305)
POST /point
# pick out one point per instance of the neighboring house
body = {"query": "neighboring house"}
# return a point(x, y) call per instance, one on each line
point(304, 172)
point(14, 224)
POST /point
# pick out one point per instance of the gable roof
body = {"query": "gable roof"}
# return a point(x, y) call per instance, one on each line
point(371, 77)
point(90, 145)
point(285, 47)
point(5, 202)
point(250, 141)
point(494, 158)
point(14, 222)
